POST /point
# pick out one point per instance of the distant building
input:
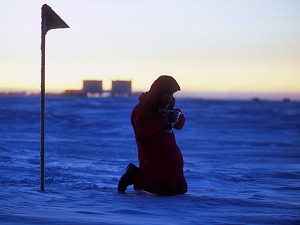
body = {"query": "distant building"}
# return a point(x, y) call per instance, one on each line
point(120, 88)
point(77, 93)
point(92, 86)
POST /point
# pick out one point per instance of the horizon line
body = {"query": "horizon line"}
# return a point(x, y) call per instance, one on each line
point(213, 95)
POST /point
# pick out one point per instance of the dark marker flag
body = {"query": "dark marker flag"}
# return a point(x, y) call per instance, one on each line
point(50, 20)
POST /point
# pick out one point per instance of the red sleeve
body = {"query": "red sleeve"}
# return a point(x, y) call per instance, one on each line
point(146, 122)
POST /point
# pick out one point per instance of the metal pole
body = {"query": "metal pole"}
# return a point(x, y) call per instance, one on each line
point(50, 20)
point(42, 153)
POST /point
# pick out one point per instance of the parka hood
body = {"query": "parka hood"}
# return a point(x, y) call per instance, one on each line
point(163, 83)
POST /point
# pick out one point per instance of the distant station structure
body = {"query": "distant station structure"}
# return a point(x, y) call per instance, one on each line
point(119, 88)
point(92, 86)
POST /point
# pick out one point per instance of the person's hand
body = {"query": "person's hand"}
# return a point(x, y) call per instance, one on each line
point(172, 116)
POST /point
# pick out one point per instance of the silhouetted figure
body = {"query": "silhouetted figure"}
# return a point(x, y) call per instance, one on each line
point(160, 159)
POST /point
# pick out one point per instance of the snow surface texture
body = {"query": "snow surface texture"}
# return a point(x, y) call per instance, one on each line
point(241, 163)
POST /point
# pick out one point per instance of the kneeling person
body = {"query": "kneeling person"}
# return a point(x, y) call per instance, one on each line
point(160, 159)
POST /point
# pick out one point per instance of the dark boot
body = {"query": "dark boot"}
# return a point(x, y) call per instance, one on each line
point(127, 178)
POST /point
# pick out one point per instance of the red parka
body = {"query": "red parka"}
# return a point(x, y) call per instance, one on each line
point(158, 154)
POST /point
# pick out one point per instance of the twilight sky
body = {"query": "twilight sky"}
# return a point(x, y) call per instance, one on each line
point(214, 47)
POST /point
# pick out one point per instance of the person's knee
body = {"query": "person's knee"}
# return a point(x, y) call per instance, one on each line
point(181, 186)
point(182, 190)
point(168, 188)
point(168, 192)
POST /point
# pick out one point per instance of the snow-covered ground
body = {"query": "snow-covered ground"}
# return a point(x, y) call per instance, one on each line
point(242, 163)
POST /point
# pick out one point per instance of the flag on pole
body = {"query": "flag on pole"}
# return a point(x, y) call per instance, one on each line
point(50, 20)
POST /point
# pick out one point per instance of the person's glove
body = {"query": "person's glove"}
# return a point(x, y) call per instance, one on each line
point(172, 116)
